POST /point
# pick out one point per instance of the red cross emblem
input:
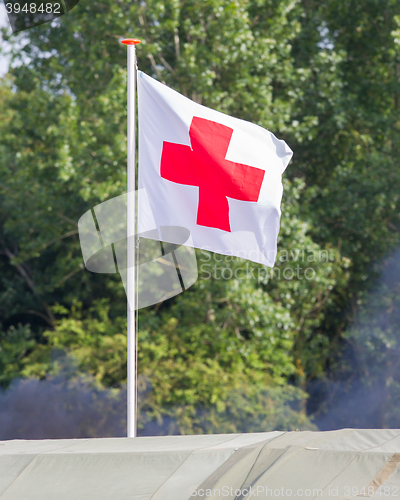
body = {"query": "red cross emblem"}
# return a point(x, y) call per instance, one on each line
point(204, 165)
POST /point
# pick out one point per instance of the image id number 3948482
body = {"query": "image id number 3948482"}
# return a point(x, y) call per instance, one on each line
point(43, 8)
point(384, 491)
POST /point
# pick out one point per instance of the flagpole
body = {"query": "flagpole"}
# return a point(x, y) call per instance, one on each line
point(131, 269)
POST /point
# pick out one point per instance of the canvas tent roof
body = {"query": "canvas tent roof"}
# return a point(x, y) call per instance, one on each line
point(336, 464)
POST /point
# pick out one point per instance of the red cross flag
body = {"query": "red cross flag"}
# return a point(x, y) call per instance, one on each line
point(217, 176)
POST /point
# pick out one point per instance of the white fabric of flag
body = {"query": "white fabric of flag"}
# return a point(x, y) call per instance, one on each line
point(207, 173)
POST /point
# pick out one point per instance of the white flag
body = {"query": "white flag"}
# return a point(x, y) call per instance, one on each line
point(218, 177)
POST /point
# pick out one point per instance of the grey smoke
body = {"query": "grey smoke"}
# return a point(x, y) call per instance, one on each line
point(73, 406)
point(59, 407)
point(364, 390)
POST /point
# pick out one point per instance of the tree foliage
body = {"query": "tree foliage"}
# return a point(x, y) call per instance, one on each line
point(241, 349)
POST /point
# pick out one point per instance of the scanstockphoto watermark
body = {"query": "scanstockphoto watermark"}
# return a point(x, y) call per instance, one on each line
point(259, 491)
point(247, 271)
point(264, 491)
point(165, 259)
point(299, 266)
point(162, 270)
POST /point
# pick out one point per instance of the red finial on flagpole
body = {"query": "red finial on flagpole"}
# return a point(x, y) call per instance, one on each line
point(130, 41)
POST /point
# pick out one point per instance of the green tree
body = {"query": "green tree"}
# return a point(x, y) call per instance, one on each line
point(321, 75)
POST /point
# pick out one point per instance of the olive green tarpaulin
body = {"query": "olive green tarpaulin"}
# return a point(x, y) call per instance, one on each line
point(342, 464)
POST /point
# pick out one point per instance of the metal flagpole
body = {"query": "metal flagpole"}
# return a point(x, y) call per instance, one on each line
point(131, 237)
